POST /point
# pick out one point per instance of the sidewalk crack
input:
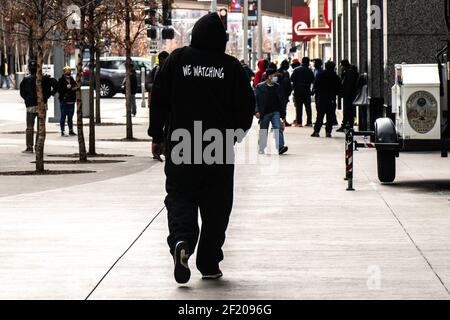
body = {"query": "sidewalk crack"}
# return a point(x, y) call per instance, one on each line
point(123, 254)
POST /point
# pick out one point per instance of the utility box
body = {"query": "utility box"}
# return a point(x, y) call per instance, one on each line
point(416, 101)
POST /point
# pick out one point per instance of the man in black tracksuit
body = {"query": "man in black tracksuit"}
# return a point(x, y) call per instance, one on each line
point(349, 76)
point(326, 86)
point(302, 78)
point(199, 84)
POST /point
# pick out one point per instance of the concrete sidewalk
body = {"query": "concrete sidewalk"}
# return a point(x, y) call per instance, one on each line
point(295, 233)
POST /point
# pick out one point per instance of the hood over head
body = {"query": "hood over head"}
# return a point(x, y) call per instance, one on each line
point(262, 65)
point(285, 65)
point(209, 34)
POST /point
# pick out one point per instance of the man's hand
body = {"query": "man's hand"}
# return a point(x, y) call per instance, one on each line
point(258, 115)
point(158, 151)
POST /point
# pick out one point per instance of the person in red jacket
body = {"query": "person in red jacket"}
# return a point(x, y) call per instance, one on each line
point(262, 66)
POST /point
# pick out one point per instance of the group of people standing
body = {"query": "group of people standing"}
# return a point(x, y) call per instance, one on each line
point(304, 81)
point(66, 87)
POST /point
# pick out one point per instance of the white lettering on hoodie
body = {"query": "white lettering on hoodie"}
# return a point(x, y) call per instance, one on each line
point(203, 72)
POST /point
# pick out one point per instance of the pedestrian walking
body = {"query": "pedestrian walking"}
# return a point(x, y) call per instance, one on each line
point(326, 87)
point(248, 70)
point(199, 90)
point(272, 65)
point(28, 94)
point(162, 57)
point(349, 76)
point(295, 63)
point(318, 67)
point(270, 109)
point(302, 79)
point(262, 66)
point(67, 88)
point(4, 73)
point(285, 82)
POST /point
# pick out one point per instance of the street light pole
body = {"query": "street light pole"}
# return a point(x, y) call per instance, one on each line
point(245, 28)
point(213, 5)
point(260, 30)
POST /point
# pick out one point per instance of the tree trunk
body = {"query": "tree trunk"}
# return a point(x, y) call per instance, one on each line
point(41, 110)
point(91, 83)
point(81, 142)
point(98, 118)
point(129, 135)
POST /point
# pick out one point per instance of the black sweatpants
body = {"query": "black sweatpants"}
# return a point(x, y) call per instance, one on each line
point(349, 110)
point(191, 188)
point(324, 108)
point(31, 120)
point(300, 100)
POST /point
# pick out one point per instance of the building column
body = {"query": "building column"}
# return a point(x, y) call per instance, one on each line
point(353, 33)
point(362, 36)
point(375, 56)
point(346, 29)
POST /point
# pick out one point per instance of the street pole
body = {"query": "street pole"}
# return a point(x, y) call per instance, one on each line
point(213, 5)
point(245, 28)
point(58, 65)
point(260, 30)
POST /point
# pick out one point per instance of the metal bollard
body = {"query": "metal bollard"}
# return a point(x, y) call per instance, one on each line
point(349, 146)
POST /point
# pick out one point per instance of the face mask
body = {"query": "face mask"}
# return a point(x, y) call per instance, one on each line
point(67, 75)
point(275, 79)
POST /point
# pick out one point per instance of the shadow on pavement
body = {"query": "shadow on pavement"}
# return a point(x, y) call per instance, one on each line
point(423, 185)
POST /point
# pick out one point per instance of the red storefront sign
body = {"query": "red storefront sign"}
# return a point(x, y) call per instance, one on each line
point(300, 20)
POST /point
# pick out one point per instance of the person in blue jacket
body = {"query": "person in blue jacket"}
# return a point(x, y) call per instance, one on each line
point(270, 109)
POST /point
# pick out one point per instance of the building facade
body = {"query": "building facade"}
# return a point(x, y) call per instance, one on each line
point(377, 34)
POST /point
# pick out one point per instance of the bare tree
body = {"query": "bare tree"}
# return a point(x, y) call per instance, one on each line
point(39, 20)
point(131, 12)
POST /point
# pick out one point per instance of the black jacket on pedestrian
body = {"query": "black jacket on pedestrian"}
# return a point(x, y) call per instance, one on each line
point(349, 77)
point(67, 95)
point(133, 81)
point(2, 68)
point(248, 71)
point(28, 89)
point(261, 92)
point(302, 79)
point(201, 83)
point(326, 87)
point(284, 79)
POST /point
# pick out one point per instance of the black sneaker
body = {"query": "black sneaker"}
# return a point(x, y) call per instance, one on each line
point(308, 125)
point(283, 150)
point(315, 135)
point(28, 150)
point(181, 271)
point(63, 134)
point(213, 276)
point(329, 135)
point(341, 129)
point(71, 133)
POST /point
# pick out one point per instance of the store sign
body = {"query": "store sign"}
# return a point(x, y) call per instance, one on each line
point(235, 6)
point(300, 20)
point(422, 111)
point(252, 13)
point(328, 11)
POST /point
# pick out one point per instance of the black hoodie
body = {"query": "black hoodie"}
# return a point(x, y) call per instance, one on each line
point(201, 83)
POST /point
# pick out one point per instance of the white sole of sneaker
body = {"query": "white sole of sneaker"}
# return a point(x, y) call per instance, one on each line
point(182, 273)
